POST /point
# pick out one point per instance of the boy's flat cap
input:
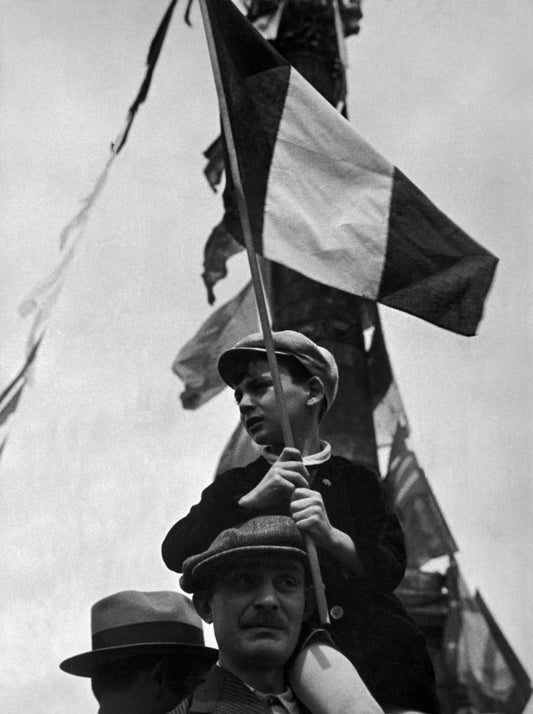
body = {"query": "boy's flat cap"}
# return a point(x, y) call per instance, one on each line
point(318, 361)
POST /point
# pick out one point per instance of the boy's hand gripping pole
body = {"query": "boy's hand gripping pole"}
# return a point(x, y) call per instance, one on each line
point(314, 565)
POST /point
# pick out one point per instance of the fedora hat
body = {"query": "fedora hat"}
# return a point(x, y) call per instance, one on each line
point(318, 361)
point(132, 623)
point(257, 537)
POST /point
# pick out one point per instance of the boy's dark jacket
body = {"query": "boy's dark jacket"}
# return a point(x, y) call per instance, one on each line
point(368, 622)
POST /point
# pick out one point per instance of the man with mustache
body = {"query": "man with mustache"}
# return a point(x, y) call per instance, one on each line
point(252, 585)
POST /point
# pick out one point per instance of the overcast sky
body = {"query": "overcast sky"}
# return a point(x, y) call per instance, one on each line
point(101, 457)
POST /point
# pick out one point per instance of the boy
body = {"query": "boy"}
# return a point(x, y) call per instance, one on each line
point(340, 504)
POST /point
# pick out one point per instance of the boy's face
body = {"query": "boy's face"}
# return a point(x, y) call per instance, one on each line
point(258, 407)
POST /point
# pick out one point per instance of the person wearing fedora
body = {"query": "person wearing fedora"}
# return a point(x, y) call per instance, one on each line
point(252, 584)
point(147, 652)
point(340, 504)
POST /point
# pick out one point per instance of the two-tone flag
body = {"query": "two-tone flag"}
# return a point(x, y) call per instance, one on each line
point(324, 202)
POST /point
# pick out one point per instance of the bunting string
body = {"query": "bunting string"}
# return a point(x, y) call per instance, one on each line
point(45, 294)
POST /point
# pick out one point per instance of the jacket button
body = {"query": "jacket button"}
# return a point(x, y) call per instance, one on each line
point(336, 612)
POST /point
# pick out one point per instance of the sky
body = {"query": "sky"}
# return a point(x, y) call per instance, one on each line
point(101, 458)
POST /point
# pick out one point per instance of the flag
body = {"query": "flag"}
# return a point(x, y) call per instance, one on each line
point(239, 451)
point(518, 694)
point(196, 362)
point(387, 405)
point(408, 492)
point(487, 672)
point(323, 202)
point(220, 246)
point(214, 169)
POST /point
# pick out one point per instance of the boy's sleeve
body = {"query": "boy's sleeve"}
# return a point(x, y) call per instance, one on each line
point(378, 536)
point(217, 510)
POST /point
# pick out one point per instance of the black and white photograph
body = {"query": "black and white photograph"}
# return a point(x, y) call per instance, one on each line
point(265, 361)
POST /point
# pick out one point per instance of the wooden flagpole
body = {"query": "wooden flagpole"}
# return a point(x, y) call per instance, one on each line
point(259, 292)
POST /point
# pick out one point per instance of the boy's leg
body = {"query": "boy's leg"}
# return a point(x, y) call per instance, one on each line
point(326, 682)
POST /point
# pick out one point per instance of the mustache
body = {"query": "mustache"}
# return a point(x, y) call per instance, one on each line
point(265, 620)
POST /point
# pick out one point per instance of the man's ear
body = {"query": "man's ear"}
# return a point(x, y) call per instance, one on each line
point(316, 391)
point(202, 603)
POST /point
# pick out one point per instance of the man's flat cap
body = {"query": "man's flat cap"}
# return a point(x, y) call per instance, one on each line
point(274, 535)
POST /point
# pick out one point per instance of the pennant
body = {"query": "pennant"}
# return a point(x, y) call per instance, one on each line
point(46, 293)
point(409, 494)
point(11, 405)
point(323, 202)
point(196, 362)
point(151, 61)
point(220, 246)
point(10, 396)
point(478, 655)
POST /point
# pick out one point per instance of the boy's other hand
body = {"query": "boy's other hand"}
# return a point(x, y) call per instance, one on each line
point(309, 514)
point(284, 476)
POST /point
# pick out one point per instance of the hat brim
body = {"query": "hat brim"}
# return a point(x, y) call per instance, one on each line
point(85, 664)
point(202, 572)
point(228, 358)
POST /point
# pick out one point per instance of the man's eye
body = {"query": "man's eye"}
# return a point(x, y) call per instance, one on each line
point(241, 580)
point(288, 583)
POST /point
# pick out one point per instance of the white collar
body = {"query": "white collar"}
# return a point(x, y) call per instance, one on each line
point(285, 701)
point(310, 460)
